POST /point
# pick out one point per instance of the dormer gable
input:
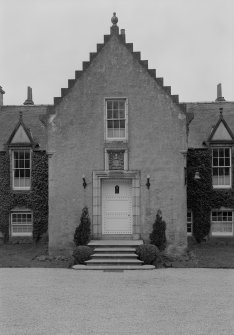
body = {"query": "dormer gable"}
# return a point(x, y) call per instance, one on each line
point(221, 133)
point(21, 135)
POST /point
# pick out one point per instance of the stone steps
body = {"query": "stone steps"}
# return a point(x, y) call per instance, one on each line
point(114, 255)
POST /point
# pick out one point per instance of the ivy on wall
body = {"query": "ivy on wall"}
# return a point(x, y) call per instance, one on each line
point(36, 199)
point(201, 197)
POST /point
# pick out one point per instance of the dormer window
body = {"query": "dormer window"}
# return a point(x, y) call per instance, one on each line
point(221, 167)
point(221, 141)
point(116, 119)
point(20, 145)
point(21, 169)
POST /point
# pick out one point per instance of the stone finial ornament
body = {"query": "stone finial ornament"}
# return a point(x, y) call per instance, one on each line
point(114, 19)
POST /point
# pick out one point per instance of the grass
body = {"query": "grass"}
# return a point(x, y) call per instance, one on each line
point(204, 255)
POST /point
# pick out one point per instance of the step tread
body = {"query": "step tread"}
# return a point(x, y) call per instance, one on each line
point(114, 260)
point(114, 249)
point(115, 242)
point(114, 255)
point(113, 268)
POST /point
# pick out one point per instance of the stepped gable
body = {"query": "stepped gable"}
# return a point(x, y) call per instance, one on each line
point(114, 30)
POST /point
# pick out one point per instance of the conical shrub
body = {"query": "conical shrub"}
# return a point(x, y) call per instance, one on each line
point(158, 235)
point(83, 231)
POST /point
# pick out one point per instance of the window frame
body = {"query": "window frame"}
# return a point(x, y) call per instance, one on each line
point(191, 223)
point(221, 234)
point(222, 186)
point(18, 149)
point(22, 234)
point(111, 139)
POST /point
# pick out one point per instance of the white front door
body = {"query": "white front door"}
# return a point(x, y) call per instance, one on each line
point(116, 206)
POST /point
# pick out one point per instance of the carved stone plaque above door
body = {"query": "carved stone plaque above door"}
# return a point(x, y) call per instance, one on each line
point(116, 159)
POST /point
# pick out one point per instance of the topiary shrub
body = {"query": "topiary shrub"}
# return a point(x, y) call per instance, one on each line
point(83, 231)
point(81, 254)
point(158, 235)
point(147, 253)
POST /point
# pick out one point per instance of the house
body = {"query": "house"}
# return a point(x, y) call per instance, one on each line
point(116, 141)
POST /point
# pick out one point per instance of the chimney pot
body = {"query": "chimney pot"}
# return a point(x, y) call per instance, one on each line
point(1, 96)
point(219, 93)
point(29, 100)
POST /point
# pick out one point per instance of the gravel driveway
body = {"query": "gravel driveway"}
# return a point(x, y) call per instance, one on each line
point(165, 301)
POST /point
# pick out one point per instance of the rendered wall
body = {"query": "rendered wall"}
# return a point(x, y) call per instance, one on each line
point(157, 134)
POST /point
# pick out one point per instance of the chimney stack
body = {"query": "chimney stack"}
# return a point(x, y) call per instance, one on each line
point(29, 100)
point(219, 93)
point(1, 96)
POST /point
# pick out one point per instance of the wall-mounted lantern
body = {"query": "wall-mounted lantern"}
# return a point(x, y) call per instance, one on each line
point(84, 181)
point(148, 181)
point(197, 176)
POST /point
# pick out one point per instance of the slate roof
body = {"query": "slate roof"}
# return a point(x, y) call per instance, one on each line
point(9, 118)
point(206, 116)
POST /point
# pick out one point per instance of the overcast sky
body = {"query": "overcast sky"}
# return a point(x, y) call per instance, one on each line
point(189, 42)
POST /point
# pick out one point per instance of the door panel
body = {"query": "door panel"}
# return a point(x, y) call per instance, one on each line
point(117, 206)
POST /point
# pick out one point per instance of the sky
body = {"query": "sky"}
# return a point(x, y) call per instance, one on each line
point(190, 43)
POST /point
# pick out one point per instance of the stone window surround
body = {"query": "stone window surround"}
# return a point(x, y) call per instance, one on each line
point(97, 200)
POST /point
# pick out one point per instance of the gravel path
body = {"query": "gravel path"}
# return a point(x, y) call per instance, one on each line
point(164, 301)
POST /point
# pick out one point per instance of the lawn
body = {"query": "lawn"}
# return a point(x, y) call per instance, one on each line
point(204, 255)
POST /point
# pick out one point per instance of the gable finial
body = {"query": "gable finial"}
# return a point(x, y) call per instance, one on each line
point(114, 29)
point(114, 19)
point(20, 115)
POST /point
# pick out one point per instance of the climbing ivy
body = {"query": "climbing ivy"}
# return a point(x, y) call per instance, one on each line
point(36, 199)
point(201, 197)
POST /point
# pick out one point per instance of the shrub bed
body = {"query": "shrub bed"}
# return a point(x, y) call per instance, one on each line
point(81, 254)
point(147, 253)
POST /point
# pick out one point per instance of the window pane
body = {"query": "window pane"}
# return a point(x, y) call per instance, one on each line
point(221, 162)
point(221, 152)
point(115, 104)
point(121, 114)
point(109, 104)
point(215, 161)
point(110, 132)
point(110, 124)
point(121, 104)
point(226, 161)
point(122, 123)
point(115, 114)
point(227, 152)
point(109, 114)
point(215, 171)
point(116, 124)
point(215, 152)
